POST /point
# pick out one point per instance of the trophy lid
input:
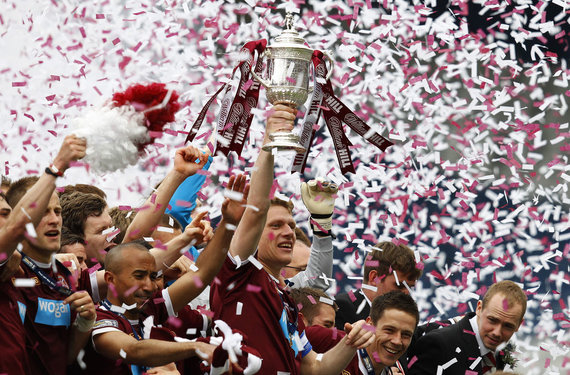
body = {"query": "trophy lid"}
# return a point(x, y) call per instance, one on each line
point(289, 37)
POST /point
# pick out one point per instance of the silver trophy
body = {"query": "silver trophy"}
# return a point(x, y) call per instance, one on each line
point(288, 67)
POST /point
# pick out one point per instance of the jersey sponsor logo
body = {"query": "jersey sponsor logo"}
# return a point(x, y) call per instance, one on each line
point(22, 311)
point(344, 372)
point(106, 323)
point(53, 313)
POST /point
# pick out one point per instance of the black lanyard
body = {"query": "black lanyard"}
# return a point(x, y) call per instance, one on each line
point(44, 277)
point(367, 361)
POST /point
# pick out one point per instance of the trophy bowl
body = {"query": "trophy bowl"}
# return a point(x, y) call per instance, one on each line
point(287, 82)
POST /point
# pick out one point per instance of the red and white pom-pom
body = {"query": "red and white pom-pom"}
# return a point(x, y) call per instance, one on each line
point(117, 133)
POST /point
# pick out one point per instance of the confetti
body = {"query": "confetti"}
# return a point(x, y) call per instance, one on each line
point(462, 108)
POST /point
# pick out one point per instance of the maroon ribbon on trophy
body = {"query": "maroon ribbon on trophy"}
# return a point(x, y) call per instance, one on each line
point(310, 124)
point(237, 121)
point(336, 113)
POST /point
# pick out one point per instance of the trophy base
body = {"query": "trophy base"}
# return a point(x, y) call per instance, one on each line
point(283, 141)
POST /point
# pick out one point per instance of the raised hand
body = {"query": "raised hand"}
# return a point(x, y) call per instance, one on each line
point(178, 268)
point(82, 303)
point(359, 335)
point(72, 149)
point(199, 230)
point(189, 160)
point(319, 196)
point(236, 199)
point(70, 262)
point(281, 118)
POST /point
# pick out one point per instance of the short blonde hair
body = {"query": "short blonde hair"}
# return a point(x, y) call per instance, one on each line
point(283, 203)
point(512, 292)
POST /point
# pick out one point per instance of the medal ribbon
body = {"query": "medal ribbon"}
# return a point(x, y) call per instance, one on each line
point(367, 361)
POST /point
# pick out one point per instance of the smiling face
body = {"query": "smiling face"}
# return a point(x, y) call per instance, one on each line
point(394, 332)
point(498, 321)
point(275, 249)
point(96, 244)
point(134, 281)
point(48, 233)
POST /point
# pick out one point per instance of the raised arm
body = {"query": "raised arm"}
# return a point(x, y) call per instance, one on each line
point(318, 196)
point(147, 352)
point(187, 193)
point(187, 161)
point(251, 226)
point(197, 232)
point(32, 206)
point(191, 284)
point(359, 335)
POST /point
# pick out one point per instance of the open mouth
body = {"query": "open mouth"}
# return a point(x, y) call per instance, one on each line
point(392, 351)
point(52, 233)
point(285, 245)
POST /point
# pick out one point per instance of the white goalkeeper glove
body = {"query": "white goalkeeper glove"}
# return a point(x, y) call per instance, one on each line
point(319, 196)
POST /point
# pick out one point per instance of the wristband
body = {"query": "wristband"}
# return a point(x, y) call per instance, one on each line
point(52, 170)
point(321, 225)
point(84, 325)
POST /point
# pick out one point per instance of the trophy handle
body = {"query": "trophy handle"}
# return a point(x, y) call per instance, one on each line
point(331, 67)
point(329, 71)
point(258, 78)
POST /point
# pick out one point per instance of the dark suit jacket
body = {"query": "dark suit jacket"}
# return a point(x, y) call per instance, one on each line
point(439, 346)
point(346, 312)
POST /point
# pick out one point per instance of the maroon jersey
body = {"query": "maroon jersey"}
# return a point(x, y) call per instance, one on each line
point(160, 308)
point(322, 339)
point(188, 323)
point(47, 320)
point(14, 358)
point(108, 321)
point(266, 317)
